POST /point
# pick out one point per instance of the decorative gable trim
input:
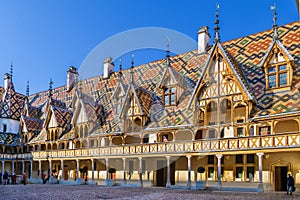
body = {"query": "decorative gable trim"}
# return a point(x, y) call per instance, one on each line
point(50, 114)
point(176, 76)
point(131, 90)
point(267, 56)
point(119, 86)
point(237, 73)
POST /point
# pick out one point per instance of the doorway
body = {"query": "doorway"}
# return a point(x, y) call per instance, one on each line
point(161, 173)
point(280, 178)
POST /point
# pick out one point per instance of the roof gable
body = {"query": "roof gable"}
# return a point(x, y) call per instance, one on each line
point(175, 78)
point(212, 70)
point(268, 56)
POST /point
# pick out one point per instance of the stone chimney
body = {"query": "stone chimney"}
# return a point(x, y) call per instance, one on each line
point(203, 39)
point(72, 77)
point(7, 79)
point(108, 67)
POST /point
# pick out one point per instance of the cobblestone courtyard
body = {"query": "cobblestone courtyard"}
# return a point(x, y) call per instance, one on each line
point(45, 192)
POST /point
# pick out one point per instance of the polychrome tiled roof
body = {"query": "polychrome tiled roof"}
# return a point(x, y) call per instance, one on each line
point(8, 138)
point(32, 124)
point(246, 53)
point(12, 103)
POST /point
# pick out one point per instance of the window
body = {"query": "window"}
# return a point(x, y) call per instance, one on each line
point(118, 105)
point(143, 166)
point(240, 121)
point(264, 130)
point(132, 106)
point(95, 165)
point(92, 143)
point(131, 167)
point(250, 158)
point(211, 133)
point(239, 159)
point(225, 105)
point(170, 96)
point(240, 132)
point(4, 128)
point(211, 172)
point(238, 172)
point(277, 76)
point(212, 106)
point(250, 173)
point(251, 131)
point(210, 159)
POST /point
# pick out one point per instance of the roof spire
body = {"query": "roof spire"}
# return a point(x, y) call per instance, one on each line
point(120, 73)
point(27, 89)
point(11, 70)
point(132, 63)
point(80, 83)
point(275, 26)
point(168, 52)
point(50, 88)
point(217, 28)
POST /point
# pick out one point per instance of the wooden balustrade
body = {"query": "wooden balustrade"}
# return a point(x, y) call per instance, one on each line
point(206, 145)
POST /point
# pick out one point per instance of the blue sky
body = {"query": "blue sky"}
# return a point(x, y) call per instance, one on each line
point(43, 38)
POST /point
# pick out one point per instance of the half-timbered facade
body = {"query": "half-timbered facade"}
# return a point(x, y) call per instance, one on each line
point(231, 107)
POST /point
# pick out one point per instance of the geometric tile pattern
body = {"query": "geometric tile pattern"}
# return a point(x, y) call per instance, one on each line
point(8, 138)
point(246, 52)
point(12, 103)
point(32, 124)
point(62, 116)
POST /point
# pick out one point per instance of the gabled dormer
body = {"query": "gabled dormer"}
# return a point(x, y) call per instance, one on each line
point(135, 110)
point(222, 93)
point(172, 83)
point(277, 65)
point(118, 96)
point(84, 109)
point(221, 78)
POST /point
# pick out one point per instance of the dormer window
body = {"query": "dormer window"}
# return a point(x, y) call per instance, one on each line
point(118, 105)
point(4, 128)
point(278, 67)
point(170, 96)
point(133, 107)
point(277, 75)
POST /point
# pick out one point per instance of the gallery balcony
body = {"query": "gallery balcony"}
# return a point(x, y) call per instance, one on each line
point(266, 143)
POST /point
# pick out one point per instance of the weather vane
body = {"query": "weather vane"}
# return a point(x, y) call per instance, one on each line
point(275, 36)
point(217, 28)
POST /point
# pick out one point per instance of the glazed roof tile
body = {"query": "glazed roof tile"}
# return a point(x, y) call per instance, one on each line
point(246, 52)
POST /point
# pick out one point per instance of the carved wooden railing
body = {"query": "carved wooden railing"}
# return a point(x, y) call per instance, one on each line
point(290, 140)
point(14, 156)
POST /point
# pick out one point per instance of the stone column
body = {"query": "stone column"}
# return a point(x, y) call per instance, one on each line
point(93, 166)
point(106, 164)
point(77, 169)
point(124, 171)
point(40, 169)
point(260, 181)
point(23, 167)
point(141, 171)
point(168, 184)
point(13, 167)
point(30, 169)
point(50, 171)
point(189, 171)
point(62, 170)
point(2, 168)
point(219, 156)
